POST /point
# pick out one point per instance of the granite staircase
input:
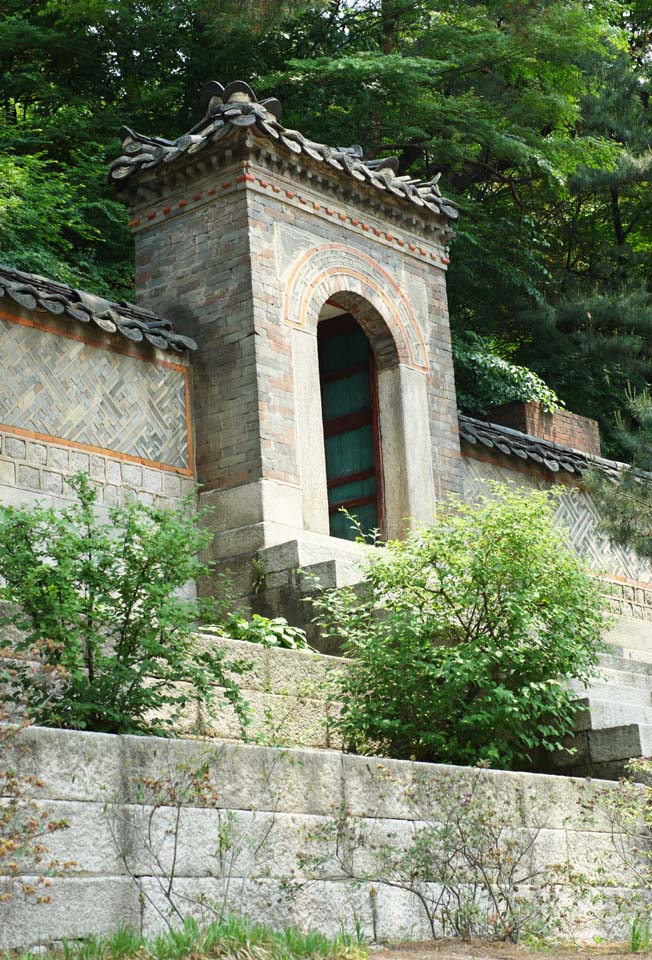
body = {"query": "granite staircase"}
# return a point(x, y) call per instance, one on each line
point(615, 722)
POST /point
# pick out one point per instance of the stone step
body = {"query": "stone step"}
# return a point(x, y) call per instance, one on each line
point(616, 693)
point(598, 714)
point(605, 750)
point(630, 653)
point(627, 660)
point(640, 679)
point(614, 724)
point(631, 634)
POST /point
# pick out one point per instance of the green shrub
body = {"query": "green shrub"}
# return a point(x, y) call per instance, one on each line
point(465, 635)
point(467, 862)
point(267, 631)
point(103, 615)
point(484, 378)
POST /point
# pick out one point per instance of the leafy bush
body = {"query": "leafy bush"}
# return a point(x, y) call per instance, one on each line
point(465, 635)
point(103, 615)
point(468, 861)
point(483, 378)
point(267, 631)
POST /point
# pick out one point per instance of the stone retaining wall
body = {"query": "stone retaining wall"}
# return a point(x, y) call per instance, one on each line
point(267, 801)
point(289, 692)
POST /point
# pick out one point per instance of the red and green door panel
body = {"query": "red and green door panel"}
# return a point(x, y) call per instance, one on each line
point(348, 396)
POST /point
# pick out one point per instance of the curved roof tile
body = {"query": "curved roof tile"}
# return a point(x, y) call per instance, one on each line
point(236, 105)
point(545, 453)
point(126, 319)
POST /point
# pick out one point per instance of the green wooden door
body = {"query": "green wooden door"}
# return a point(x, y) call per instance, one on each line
point(350, 426)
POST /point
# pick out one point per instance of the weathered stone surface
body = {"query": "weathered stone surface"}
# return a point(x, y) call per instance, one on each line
point(270, 803)
point(80, 907)
point(310, 672)
point(72, 765)
point(276, 719)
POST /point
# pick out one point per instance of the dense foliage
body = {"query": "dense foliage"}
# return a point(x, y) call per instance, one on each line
point(267, 631)
point(484, 378)
point(463, 641)
point(537, 114)
point(625, 504)
point(107, 634)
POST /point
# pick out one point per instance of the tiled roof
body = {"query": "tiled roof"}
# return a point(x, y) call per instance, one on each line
point(512, 443)
point(236, 106)
point(47, 296)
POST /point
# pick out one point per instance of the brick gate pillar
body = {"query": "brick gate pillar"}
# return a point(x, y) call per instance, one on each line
point(243, 231)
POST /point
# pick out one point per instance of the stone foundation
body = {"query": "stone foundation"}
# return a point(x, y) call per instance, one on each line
point(270, 799)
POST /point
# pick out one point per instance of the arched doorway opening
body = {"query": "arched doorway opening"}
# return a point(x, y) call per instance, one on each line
point(349, 401)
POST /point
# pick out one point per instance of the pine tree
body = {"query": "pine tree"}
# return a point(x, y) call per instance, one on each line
point(625, 505)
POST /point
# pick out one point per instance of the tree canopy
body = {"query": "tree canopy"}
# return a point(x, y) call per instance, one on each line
point(536, 113)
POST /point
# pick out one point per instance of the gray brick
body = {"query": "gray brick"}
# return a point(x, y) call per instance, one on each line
point(152, 480)
point(79, 462)
point(111, 495)
point(113, 472)
point(37, 453)
point(132, 474)
point(29, 477)
point(15, 448)
point(52, 482)
point(58, 458)
point(7, 472)
point(98, 471)
point(172, 485)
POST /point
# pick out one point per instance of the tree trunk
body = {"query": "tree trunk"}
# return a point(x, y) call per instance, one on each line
point(389, 18)
point(617, 219)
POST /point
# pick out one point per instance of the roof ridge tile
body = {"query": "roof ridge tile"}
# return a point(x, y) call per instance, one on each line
point(34, 292)
point(236, 105)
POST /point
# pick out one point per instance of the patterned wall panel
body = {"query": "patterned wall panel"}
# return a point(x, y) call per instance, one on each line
point(576, 512)
point(60, 387)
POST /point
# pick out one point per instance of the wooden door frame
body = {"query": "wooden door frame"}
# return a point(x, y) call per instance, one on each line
point(348, 322)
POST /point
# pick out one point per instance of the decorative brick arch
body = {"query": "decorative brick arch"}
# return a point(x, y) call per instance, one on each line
point(350, 278)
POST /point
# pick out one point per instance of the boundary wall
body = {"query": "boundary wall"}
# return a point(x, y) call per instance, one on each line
point(76, 398)
point(576, 512)
point(270, 800)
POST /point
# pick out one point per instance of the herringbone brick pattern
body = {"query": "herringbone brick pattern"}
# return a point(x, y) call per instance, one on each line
point(61, 388)
point(576, 512)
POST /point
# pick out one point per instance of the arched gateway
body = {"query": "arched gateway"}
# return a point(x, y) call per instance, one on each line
point(314, 283)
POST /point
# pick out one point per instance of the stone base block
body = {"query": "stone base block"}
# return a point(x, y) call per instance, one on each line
point(80, 907)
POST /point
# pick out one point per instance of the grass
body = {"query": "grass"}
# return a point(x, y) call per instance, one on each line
point(639, 940)
point(231, 939)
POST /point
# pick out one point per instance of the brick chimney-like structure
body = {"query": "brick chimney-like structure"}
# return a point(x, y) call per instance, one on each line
point(254, 240)
point(562, 427)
